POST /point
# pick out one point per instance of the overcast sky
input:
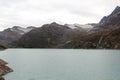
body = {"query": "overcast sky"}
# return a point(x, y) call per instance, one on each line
point(38, 12)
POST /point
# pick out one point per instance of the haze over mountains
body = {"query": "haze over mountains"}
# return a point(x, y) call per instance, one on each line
point(105, 34)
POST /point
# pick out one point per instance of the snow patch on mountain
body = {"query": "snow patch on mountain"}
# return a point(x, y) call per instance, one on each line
point(74, 26)
point(21, 30)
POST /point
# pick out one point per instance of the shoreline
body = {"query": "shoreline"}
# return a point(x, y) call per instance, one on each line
point(4, 69)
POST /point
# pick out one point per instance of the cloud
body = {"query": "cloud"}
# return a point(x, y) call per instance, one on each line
point(38, 12)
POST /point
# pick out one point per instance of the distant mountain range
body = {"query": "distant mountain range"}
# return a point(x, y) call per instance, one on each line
point(103, 35)
point(9, 36)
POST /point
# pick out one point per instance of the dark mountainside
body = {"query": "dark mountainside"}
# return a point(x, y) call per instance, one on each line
point(9, 36)
point(107, 18)
point(104, 35)
point(49, 36)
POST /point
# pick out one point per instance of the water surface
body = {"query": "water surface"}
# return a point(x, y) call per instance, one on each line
point(62, 64)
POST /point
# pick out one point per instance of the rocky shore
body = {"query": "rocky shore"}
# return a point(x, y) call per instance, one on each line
point(4, 69)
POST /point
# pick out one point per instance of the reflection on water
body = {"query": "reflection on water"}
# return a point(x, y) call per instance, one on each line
point(61, 64)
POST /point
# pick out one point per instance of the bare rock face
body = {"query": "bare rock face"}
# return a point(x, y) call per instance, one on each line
point(4, 69)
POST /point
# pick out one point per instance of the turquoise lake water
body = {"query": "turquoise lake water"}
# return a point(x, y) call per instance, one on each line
point(62, 64)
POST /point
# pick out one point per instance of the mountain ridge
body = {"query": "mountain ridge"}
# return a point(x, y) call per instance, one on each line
point(9, 36)
point(54, 35)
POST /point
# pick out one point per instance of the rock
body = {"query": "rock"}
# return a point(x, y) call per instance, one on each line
point(1, 78)
point(4, 69)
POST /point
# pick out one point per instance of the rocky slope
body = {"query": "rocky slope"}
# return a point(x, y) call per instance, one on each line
point(50, 36)
point(99, 40)
point(115, 13)
point(21, 30)
point(109, 22)
point(9, 36)
point(107, 34)
point(4, 69)
point(46, 36)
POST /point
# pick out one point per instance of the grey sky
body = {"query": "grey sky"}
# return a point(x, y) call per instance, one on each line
point(38, 12)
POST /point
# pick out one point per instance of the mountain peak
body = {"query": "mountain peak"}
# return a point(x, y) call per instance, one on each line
point(53, 23)
point(117, 7)
point(15, 27)
point(116, 10)
point(19, 30)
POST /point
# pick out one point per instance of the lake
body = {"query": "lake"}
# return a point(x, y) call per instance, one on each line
point(62, 64)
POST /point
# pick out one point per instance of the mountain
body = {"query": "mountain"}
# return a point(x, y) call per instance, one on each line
point(106, 36)
point(110, 22)
point(20, 30)
point(115, 13)
point(50, 36)
point(73, 26)
point(9, 36)
point(98, 40)
point(86, 27)
point(104, 19)
point(47, 36)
